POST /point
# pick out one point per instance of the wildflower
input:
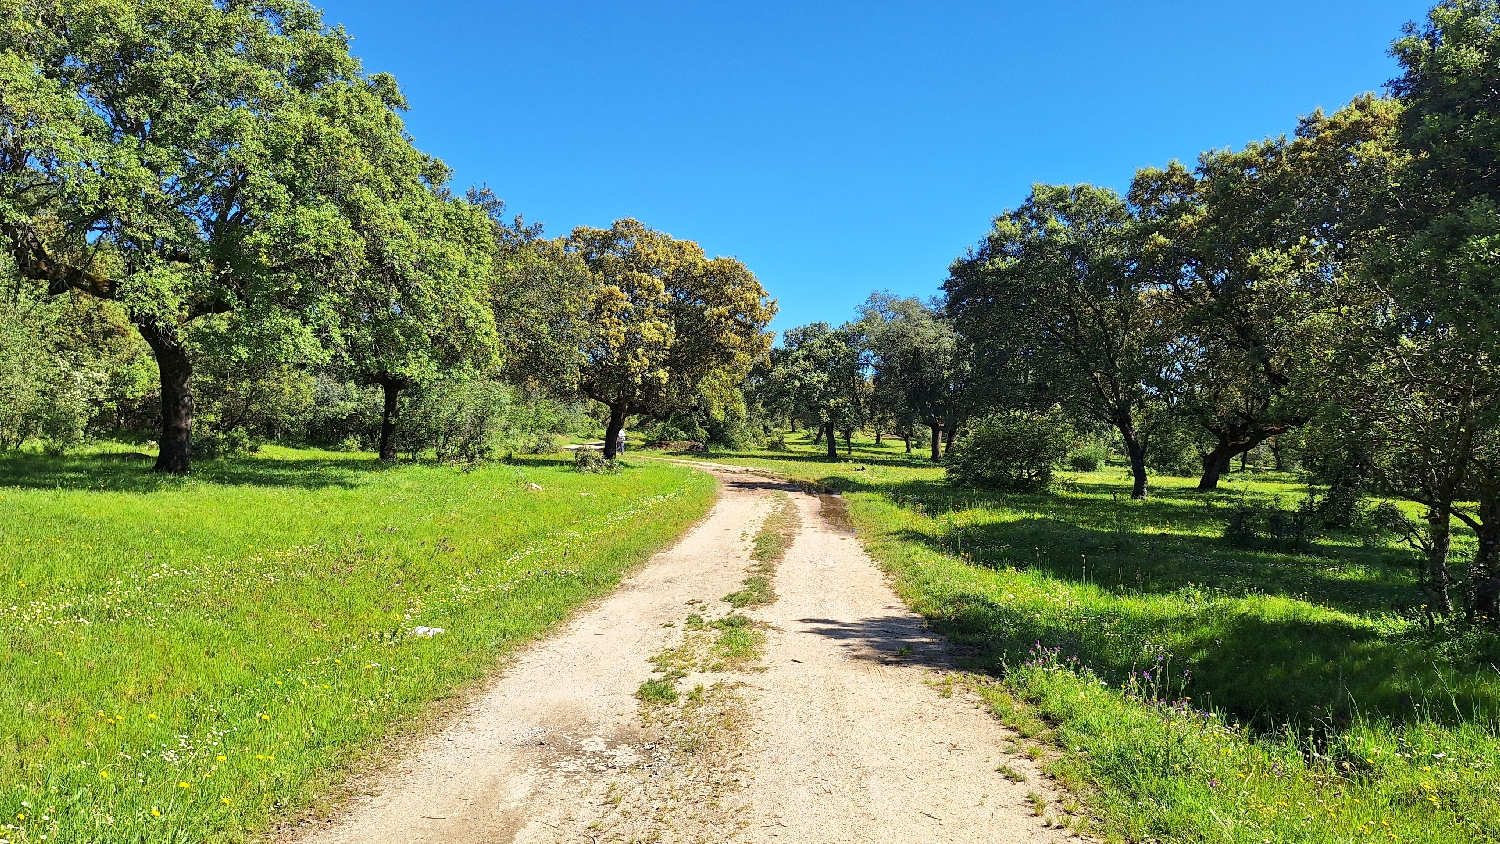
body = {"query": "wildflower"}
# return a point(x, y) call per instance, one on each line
point(104, 774)
point(155, 813)
point(152, 716)
point(224, 800)
point(221, 757)
point(183, 785)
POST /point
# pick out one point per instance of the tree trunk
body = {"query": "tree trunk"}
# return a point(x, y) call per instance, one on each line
point(175, 454)
point(937, 440)
point(612, 431)
point(392, 388)
point(818, 437)
point(877, 438)
point(1215, 463)
point(949, 431)
point(1277, 455)
point(1484, 571)
point(1437, 579)
point(906, 438)
point(832, 441)
point(1137, 453)
point(849, 443)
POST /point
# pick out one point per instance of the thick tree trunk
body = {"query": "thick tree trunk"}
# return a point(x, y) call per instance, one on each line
point(1137, 454)
point(175, 453)
point(1231, 444)
point(1484, 571)
point(849, 443)
point(948, 433)
point(392, 388)
point(937, 440)
point(1437, 579)
point(1277, 454)
point(1215, 463)
point(818, 437)
point(877, 438)
point(906, 438)
point(832, 441)
point(612, 431)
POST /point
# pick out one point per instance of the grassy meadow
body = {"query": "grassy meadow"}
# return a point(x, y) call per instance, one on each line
point(202, 659)
point(1188, 689)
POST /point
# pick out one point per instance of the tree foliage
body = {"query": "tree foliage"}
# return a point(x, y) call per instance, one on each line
point(664, 319)
point(1059, 310)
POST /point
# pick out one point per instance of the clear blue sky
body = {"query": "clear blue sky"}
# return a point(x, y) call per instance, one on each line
point(843, 147)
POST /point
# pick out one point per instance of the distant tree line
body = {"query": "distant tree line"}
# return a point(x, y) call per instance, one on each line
point(1331, 297)
point(215, 225)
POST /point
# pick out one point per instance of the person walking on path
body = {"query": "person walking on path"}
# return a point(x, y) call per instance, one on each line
point(620, 443)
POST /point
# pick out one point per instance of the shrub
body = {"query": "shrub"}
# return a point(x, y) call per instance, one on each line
point(591, 461)
point(1172, 449)
point(1088, 459)
point(457, 415)
point(1013, 450)
point(64, 362)
point(1266, 526)
point(469, 416)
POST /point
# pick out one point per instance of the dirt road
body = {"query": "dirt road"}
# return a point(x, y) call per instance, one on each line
point(841, 726)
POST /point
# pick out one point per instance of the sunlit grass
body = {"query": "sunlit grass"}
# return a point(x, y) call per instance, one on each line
point(192, 659)
point(1197, 691)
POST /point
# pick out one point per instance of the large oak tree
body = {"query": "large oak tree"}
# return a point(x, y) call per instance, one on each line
point(1056, 306)
point(187, 158)
point(664, 319)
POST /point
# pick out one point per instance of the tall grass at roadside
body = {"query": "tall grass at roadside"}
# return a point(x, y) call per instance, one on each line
point(1194, 690)
point(196, 659)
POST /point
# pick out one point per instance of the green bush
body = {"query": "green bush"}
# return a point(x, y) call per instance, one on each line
point(468, 416)
point(1013, 450)
point(1172, 448)
point(591, 461)
point(66, 364)
point(1088, 459)
point(457, 415)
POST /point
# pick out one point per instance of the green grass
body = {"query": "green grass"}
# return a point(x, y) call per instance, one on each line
point(738, 641)
point(657, 691)
point(1193, 690)
point(201, 659)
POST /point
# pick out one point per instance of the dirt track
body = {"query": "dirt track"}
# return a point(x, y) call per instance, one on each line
point(845, 731)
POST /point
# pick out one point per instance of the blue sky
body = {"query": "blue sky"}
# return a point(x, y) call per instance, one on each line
point(840, 148)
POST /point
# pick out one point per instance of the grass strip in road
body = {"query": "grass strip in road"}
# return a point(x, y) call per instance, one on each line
point(200, 659)
point(1189, 688)
point(770, 544)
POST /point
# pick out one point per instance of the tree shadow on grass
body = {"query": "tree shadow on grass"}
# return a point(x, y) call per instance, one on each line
point(1266, 670)
point(1125, 562)
point(131, 472)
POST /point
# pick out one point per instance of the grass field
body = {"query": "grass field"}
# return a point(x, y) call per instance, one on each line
point(1192, 690)
point(201, 659)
